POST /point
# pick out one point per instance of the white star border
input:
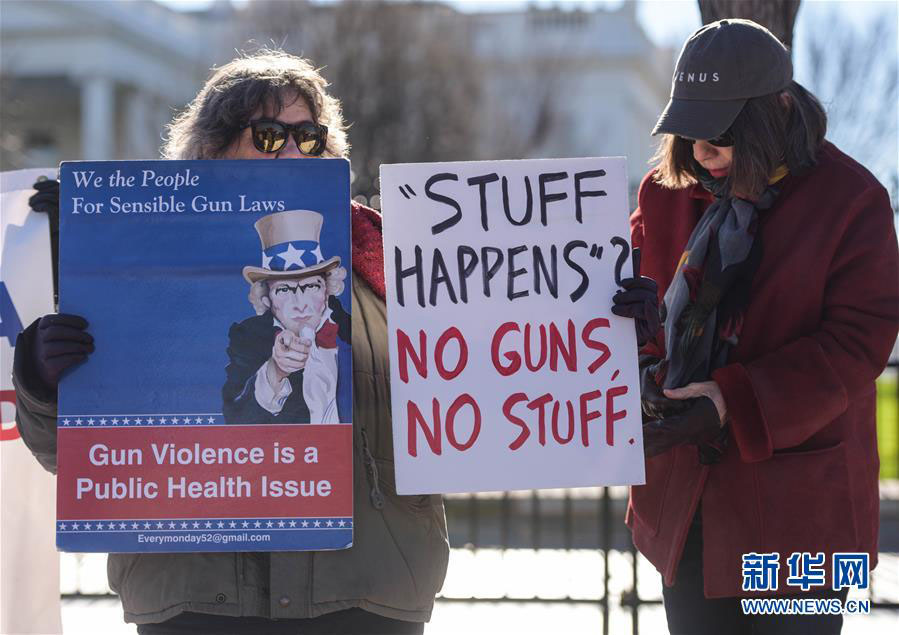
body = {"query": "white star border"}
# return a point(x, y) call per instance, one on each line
point(190, 525)
point(139, 420)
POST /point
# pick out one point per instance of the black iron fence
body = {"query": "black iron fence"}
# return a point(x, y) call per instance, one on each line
point(593, 519)
point(586, 519)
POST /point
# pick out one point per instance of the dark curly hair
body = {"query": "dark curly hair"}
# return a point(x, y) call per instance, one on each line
point(268, 78)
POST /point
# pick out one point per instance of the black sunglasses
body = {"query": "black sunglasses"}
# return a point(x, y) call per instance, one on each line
point(270, 135)
point(725, 140)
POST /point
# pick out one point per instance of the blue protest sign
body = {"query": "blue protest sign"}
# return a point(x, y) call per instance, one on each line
point(216, 292)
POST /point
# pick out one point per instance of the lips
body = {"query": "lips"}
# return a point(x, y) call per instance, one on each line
point(719, 173)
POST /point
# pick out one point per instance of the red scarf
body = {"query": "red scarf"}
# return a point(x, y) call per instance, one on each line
point(326, 337)
point(368, 247)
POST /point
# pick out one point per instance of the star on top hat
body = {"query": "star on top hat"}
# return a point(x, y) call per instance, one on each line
point(290, 247)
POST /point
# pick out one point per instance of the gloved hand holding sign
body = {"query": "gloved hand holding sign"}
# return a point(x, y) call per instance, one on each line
point(639, 300)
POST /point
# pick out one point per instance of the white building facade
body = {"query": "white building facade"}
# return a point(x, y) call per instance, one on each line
point(99, 80)
point(592, 79)
point(92, 80)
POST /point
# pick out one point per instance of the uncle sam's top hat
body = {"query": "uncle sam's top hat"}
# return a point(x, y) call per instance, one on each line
point(290, 247)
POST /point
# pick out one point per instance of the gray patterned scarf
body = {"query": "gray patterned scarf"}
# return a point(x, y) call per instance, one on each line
point(703, 308)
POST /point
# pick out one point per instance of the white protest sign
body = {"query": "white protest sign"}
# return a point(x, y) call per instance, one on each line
point(508, 369)
point(29, 584)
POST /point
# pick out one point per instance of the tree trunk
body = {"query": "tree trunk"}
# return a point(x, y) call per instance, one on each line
point(778, 16)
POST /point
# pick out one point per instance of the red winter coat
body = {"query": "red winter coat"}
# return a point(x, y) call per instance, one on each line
point(800, 470)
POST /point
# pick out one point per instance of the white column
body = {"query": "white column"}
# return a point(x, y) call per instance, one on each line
point(141, 132)
point(98, 118)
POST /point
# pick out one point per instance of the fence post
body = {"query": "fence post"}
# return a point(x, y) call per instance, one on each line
point(606, 534)
point(535, 519)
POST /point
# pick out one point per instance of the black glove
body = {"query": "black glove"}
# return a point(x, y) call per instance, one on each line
point(699, 424)
point(46, 199)
point(639, 300)
point(653, 401)
point(341, 319)
point(51, 345)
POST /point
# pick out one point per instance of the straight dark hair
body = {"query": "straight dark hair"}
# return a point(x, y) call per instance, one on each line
point(767, 133)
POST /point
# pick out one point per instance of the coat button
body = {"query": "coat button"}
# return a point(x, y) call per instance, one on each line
point(220, 598)
point(284, 601)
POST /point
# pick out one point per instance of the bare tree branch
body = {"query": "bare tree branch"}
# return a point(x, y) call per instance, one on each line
point(858, 88)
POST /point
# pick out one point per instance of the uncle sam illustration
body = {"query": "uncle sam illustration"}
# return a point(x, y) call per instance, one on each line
point(283, 361)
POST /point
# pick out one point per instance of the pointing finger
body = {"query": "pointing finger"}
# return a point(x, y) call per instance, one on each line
point(285, 338)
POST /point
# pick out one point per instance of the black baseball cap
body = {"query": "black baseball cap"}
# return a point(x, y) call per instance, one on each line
point(721, 66)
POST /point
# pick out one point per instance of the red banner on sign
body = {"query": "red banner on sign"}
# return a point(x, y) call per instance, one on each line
point(211, 471)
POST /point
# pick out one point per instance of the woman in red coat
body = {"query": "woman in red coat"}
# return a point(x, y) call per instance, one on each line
point(776, 260)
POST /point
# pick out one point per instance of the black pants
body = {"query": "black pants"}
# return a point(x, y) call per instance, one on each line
point(348, 622)
point(690, 613)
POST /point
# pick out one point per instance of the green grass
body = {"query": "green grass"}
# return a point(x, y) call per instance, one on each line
point(888, 425)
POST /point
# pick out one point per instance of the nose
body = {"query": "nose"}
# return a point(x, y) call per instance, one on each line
point(298, 298)
point(703, 151)
point(290, 150)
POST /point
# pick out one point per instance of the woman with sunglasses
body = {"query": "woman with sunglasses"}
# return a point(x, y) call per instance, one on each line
point(775, 256)
point(270, 106)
